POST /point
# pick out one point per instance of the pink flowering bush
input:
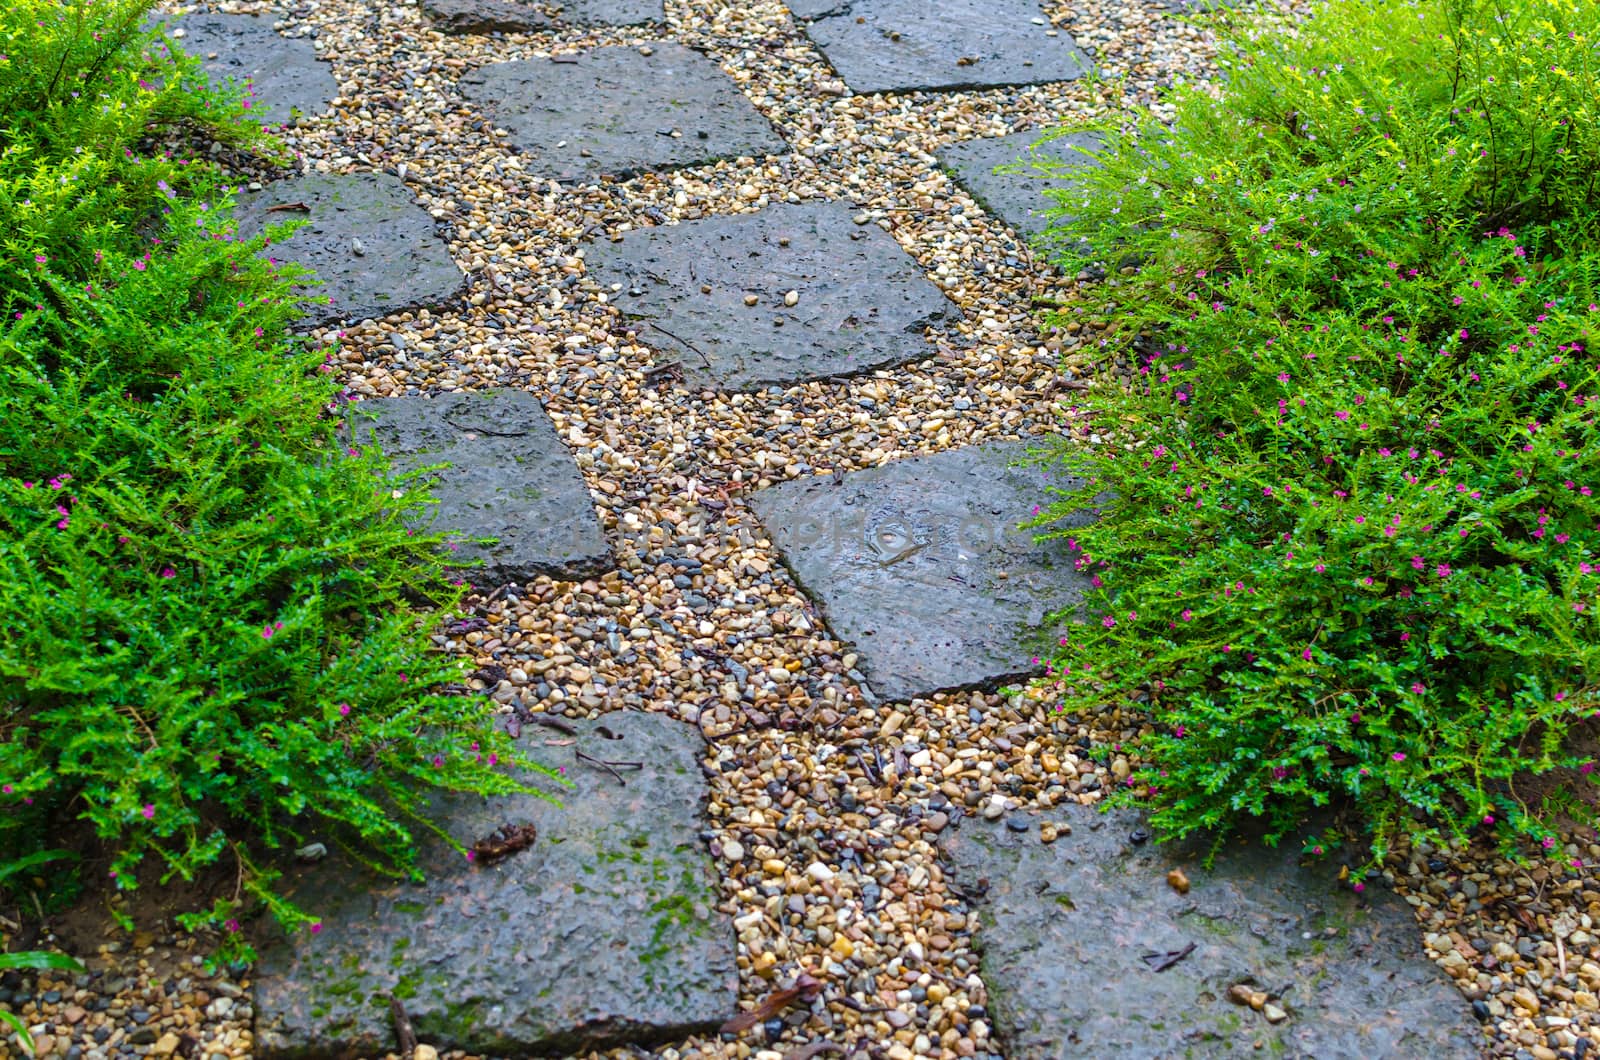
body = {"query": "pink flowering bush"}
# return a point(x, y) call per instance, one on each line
point(211, 646)
point(1349, 532)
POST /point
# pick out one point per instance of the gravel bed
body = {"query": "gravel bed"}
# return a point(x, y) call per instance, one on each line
point(825, 807)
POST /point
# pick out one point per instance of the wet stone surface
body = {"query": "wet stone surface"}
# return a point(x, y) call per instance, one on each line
point(1065, 927)
point(287, 79)
point(604, 931)
point(512, 16)
point(1019, 198)
point(919, 566)
point(511, 478)
point(580, 120)
point(794, 292)
point(897, 45)
point(376, 250)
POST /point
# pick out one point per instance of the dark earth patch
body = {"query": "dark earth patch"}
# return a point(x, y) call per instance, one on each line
point(711, 294)
point(512, 16)
point(919, 565)
point(287, 79)
point(1065, 929)
point(603, 931)
point(901, 45)
point(376, 250)
point(618, 112)
point(510, 477)
point(1018, 198)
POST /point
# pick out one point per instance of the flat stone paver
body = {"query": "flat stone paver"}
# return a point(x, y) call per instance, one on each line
point(617, 112)
point(1064, 929)
point(903, 45)
point(287, 80)
point(604, 931)
point(918, 564)
point(712, 293)
point(512, 16)
point(510, 477)
point(1018, 199)
point(376, 250)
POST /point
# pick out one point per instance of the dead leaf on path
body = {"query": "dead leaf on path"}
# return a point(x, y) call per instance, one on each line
point(805, 988)
point(559, 743)
point(503, 842)
point(282, 206)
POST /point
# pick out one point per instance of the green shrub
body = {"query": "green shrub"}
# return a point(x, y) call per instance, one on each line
point(209, 636)
point(1348, 537)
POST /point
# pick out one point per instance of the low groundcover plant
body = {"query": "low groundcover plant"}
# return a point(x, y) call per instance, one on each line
point(1348, 541)
point(210, 634)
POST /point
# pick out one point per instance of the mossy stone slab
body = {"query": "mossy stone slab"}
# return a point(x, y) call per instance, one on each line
point(919, 565)
point(712, 294)
point(616, 112)
point(906, 45)
point(604, 932)
point(1018, 198)
point(373, 246)
point(1065, 929)
point(287, 80)
point(511, 477)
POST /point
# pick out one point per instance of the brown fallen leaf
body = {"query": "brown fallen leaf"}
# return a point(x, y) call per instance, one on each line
point(1178, 881)
point(805, 988)
point(283, 206)
point(503, 842)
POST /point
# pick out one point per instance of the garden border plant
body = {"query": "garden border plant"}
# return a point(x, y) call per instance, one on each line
point(1349, 544)
point(215, 619)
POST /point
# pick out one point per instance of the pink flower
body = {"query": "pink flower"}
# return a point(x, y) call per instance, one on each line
point(1399, 756)
point(316, 928)
point(149, 811)
point(1488, 818)
point(1418, 688)
point(344, 710)
point(1358, 887)
point(1306, 655)
point(166, 572)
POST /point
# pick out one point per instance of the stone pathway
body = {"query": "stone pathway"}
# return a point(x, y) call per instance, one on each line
point(603, 931)
point(996, 173)
point(509, 478)
point(919, 565)
point(282, 76)
point(1091, 951)
point(372, 247)
point(755, 366)
point(789, 294)
point(586, 117)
